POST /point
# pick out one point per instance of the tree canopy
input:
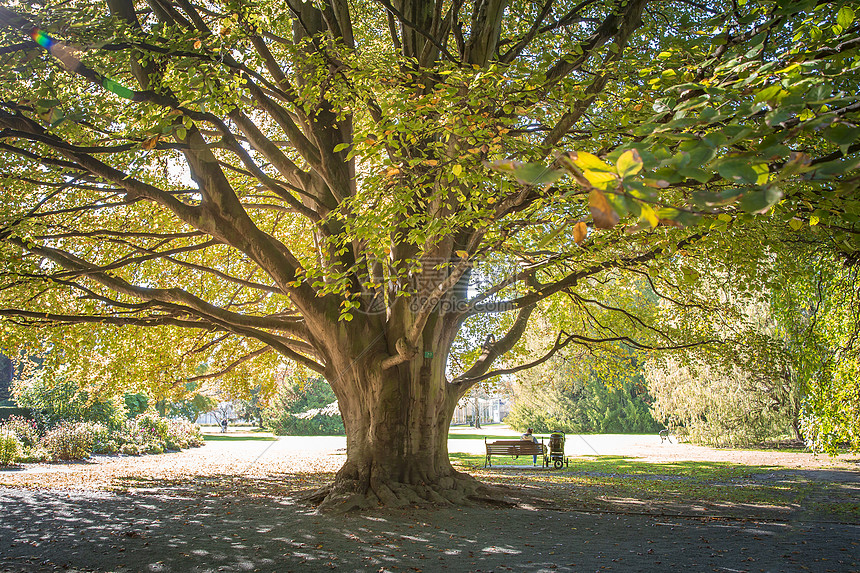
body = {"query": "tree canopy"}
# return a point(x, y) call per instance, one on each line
point(362, 186)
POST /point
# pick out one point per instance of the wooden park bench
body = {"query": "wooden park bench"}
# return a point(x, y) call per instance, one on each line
point(514, 448)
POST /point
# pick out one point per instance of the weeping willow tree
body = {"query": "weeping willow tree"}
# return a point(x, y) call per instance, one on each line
point(199, 190)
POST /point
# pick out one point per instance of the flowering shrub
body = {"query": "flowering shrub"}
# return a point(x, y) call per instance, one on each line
point(152, 433)
point(23, 428)
point(103, 443)
point(130, 449)
point(153, 427)
point(182, 434)
point(153, 448)
point(72, 441)
point(10, 447)
point(35, 455)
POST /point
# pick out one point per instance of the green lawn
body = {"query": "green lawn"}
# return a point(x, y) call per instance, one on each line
point(709, 489)
point(229, 438)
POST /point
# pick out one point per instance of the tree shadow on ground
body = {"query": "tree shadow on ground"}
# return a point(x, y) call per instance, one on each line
point(143, 531)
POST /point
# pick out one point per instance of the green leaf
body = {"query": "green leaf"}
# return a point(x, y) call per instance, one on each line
point(690, 274)
point(46, 104)
point(845, 17)
point(760, 200)
point(340, 147)
point(536, 174)
point(743, 170)
point(841, 134)
point(57, 117)
point(630, 163)
point(773, 93)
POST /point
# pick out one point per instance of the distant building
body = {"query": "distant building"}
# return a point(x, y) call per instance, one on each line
point(492, 409)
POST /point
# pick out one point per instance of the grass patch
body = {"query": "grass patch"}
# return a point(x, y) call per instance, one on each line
point(616, 483)
point(228, 438)
point(480, 437)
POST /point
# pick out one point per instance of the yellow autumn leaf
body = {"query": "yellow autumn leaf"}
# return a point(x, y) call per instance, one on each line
point(588, 161)
point(630, 163)
point(603, 180)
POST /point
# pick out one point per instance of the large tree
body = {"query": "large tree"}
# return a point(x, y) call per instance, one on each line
point(359, 186)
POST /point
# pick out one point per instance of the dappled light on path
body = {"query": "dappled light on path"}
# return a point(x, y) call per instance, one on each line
point(233, 505)
point(90, 531)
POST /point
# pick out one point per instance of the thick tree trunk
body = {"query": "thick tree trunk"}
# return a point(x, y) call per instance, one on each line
point(397, 424)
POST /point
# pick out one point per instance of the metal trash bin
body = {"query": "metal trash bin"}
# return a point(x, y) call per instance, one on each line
point(556, 450)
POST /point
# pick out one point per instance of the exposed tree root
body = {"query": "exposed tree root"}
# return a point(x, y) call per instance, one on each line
point(345, 495)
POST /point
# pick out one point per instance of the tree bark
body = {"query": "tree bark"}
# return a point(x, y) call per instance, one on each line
point(397, 424)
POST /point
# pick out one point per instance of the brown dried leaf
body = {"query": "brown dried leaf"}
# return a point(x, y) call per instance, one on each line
point(602, 212)
point(580, 231)
point(150, 143)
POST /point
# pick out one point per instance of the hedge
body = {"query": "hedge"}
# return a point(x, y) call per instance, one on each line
point(7, 411)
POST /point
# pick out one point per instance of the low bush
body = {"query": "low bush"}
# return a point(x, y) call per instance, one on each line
point(10, 447)
point(73, 440)
point(151, 433)
point(35, 455)
point(152, 427)
point(130, 449)
point(153, 448)
point(182, 434)
point(24, 428)
point(8, 412)
point(103, 442)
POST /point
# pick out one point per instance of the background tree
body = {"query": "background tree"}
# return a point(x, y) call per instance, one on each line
point(252, 407)
point(191, 407)
point(302, 407)
point(786, 326)
point(321, 182)
point(54, 401)
point(580, 392)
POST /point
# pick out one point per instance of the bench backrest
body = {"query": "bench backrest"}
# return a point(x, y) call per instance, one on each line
point(513, 447)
